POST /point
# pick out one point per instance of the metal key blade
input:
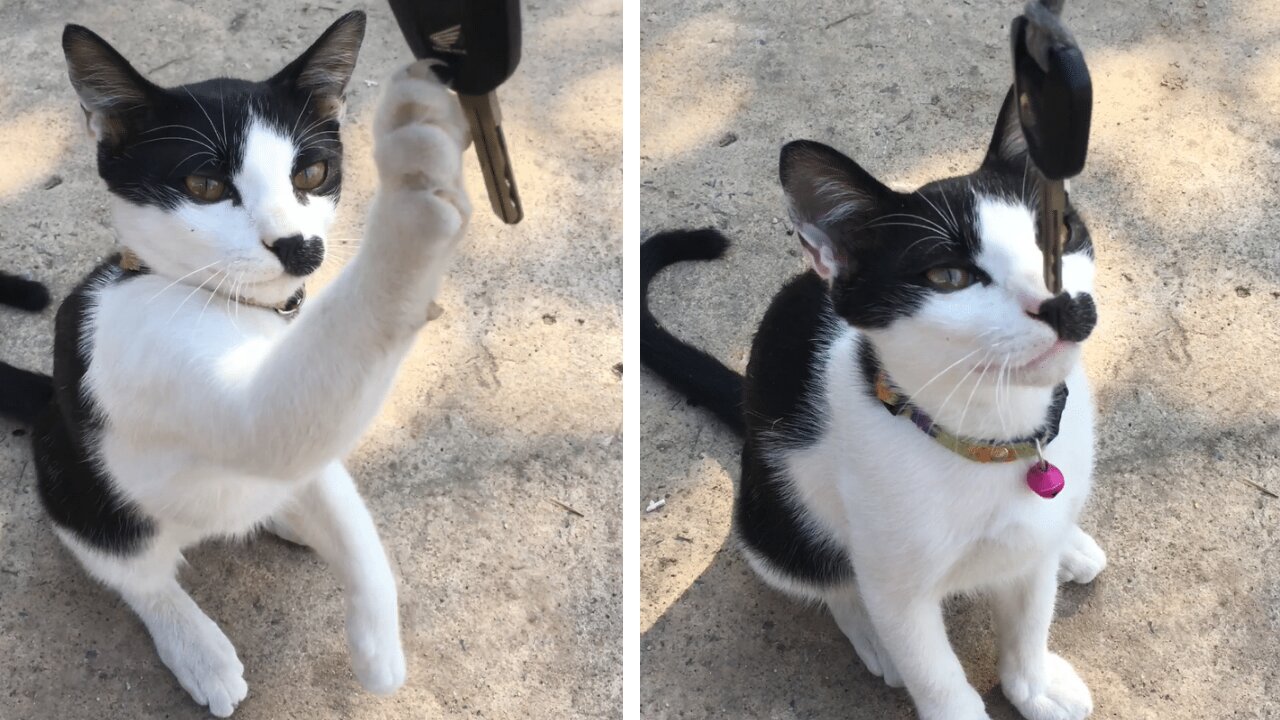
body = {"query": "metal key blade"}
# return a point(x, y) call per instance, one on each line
point(485, 118)
point(1053, 229)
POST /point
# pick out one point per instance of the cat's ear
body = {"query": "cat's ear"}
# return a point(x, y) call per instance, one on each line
point(107, 85)
point(827, 194)
point(1008, 144)
point(324, 70)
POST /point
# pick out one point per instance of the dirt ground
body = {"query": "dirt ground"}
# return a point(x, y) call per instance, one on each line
point(1179, 193)
point(509, 405)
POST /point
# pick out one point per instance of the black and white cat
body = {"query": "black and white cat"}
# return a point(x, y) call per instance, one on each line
point(194, 398)
point(891, 408)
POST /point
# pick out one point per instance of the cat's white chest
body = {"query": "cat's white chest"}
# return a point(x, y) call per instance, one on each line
point(165, 478)
point(903, 503)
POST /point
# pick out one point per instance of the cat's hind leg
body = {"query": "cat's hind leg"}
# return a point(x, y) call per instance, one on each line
point(329, 516)
point(191, 645)
point(1082, 558)
point(847, 609)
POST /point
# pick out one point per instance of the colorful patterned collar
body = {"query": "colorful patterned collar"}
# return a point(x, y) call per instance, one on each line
point(983, 451)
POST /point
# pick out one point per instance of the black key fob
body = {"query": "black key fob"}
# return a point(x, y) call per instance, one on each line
point(1054, 92)
point(478, 40)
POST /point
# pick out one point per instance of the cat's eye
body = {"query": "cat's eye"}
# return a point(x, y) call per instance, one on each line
point(206, 188)
point(311, 176)
point(950, 279)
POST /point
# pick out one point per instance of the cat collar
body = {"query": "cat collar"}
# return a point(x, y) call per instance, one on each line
point(129, 261)
point(983, 451)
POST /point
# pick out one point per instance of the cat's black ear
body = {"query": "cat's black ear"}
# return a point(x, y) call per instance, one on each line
point(829, 195)
point(1008, 145)
point(108, 86)
point(324, 70)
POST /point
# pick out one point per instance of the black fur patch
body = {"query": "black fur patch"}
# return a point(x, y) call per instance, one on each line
point(778, 391)
point(75, 490)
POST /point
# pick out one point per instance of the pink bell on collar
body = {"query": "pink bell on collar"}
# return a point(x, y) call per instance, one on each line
point(1045, 479)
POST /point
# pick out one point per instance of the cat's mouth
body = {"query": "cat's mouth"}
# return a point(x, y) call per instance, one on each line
point(1056, 349)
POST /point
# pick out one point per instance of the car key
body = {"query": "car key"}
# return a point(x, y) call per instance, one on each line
point(479, 43)
point(1055, 104)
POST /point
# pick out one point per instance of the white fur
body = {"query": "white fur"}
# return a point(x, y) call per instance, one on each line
point(922, 523)
point(222, 418)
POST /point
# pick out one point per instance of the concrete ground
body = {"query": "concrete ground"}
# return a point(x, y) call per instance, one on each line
point(1179, 193)
point(509, 406)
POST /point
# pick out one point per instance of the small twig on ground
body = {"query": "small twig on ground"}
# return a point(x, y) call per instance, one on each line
point(567, 508)
point(1260, 488)
point(846, 18)
point(164, 65)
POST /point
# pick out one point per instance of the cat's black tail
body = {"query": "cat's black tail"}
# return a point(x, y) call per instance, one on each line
point(23, 394)
point(23, 294)
point(701, 378)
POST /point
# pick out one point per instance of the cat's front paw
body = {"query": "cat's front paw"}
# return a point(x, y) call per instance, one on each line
point(205, 664)
point(1082, 559)
point(1054, 692)
point(419, 134)
point(373, 638)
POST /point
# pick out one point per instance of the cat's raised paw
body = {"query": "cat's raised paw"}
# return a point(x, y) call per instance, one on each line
point(1082, 559)
point(1060, 695)
point(419, 134)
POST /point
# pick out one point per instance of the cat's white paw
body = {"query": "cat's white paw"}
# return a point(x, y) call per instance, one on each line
point(1082, 559)
point(969, 709)
point(1057, 693)
point(419, 135)
point(373, 637)
point(205, 663)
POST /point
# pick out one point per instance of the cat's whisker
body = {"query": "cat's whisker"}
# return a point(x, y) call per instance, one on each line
point(942, 372)
point(222, 109)
point(936, 210)
point(180, 126)
point(950, 212)
point(926, 238)
point(210, 148)
point(1000, 380)
point(213, 294)
point(200, 105)
point(184, 277)
point(191, 294)
point(959, 430)
point(192, 155)
point(899, 223)
point(960, 384)
point(316, 123)
point(293, 132)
